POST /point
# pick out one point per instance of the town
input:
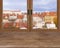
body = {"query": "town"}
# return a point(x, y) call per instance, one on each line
point(18, 19)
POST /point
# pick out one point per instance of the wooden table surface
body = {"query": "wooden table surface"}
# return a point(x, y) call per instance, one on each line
point(29, 39)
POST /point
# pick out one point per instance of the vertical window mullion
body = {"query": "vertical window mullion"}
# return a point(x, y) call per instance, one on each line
point(0, 14)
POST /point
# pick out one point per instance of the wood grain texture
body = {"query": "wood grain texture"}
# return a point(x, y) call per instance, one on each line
point(30, 39)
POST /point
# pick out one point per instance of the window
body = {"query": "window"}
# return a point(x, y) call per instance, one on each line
point(29, 15)
point(44, 14)
point(14, 14)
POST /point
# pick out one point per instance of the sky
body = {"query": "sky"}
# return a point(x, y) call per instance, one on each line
point(38, 5)
point(15, 5)
point(44, 5)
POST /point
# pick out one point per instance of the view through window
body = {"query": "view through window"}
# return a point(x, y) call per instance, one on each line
point(44, 14)
point(14, 14)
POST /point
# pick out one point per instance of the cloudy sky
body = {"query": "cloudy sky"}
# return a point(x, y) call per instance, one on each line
point(38, 5)
point(45, 5)
point(15, 5)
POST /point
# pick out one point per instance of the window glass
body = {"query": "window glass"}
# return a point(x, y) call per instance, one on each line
point(44, 14)
point(14, 14)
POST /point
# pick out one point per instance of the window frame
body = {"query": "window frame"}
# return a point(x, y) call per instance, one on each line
point(13, 29)
point(29, 17)
point(58, 23)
